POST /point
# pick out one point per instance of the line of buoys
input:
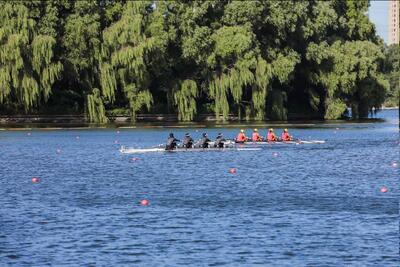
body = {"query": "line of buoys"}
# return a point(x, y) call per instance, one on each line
point(144, 202)
point(384, 189)
point(232, 170)
point(35, 180)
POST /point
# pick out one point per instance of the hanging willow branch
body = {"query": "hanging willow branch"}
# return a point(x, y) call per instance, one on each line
point(185, 99)
point(95, 107)
point(259, 96)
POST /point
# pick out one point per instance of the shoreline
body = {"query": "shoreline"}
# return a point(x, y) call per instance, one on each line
point(76, 122)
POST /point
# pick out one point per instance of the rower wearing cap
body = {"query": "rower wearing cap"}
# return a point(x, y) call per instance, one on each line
point(219, 141)
point(241, 137)
point(171, 142)
point(187, 141)
point(271, 137)
point(256, 137)
point(203, 143)
point(285, 135)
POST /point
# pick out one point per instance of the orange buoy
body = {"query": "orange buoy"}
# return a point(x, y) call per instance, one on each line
point(232, 170)
point(35, 180)
point(384, 189)
point(144, 202)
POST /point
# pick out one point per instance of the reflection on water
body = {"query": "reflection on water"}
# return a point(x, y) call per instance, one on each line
point(317, 205)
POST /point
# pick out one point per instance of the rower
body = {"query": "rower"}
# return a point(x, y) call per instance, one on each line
point(171, 142)
point(203, 143)
point(271, 137)
point(187, 141)
point(256, 137)
point(285, 135)
point(241, 137)
point(219, 141)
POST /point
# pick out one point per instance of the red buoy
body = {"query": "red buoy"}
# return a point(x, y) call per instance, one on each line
point(232, 170)
point(384, 189)
point(144, 202)
point(35, 180)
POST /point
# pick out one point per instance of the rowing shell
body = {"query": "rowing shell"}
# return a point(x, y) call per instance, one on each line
point(273, 143)
point(125, 150)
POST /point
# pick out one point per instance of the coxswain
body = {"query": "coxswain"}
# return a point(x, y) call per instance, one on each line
point(271, 137)
point(187, 141)
point(171, 142)
point(285, 136)
point(241, 137)
point(203, 143)
point(219, 141)
point(256, 137)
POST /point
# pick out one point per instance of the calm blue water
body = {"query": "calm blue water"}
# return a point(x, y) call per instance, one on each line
point(316, 205)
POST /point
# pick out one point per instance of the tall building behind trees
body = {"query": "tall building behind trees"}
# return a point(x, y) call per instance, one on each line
point(394, 10)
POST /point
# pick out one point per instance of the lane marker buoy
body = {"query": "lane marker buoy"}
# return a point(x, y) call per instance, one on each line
point(232, 170)
point(144, 202)
point(275, 154)
point(384, 189)
point(35, 180)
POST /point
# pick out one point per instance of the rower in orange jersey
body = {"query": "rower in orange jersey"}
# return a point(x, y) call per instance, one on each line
point(271, 137)
point(285, 136)
point(241, 137)
point(256, 137)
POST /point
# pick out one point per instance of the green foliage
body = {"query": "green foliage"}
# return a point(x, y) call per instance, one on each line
point(257, 59)
point(392, 74)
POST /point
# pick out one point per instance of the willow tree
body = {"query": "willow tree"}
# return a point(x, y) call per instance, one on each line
point(28, 67)
point(128, 47)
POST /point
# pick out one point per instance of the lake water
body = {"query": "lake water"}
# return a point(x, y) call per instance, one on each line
point(315, 205)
